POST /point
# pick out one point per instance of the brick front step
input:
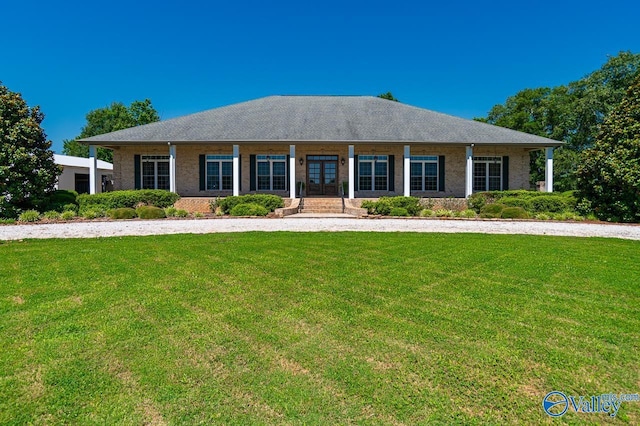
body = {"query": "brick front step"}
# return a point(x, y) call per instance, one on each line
point(322, 205)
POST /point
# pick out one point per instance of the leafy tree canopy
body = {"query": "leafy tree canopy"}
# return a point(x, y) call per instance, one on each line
point(388, 96)
point(609, 175)
point(109, 119)
point(28, 172)
point(571, 113)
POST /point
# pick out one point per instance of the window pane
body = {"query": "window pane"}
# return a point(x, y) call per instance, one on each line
point(365, 183)
point(365, 171)
point(264, 183)
point(416, 169)
point(479, 176)
point(416, 183)
point(227, 175)
point(279, 183)
point(431, 183)
point(494, 176)
point(279, 168)
point(213, 176)
point(431, 169)
point(381, 176)
point(148, 175)
point(263, 168)
point(314, 173)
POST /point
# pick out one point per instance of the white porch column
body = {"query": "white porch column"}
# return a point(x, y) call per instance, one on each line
point(93, 170)
point(352, 165)
point(468, 185)
point(236, 170)
point(548, 170)
point(407, 170)
point(292, 171)
point(172, 167)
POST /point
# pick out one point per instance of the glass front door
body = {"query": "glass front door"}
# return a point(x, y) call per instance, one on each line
point(322, 175)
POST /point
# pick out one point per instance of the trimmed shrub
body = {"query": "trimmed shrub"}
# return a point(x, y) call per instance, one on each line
point(131, 199)
point(477, 201)
point(51, 215)
point(492, 210)
point(58, 200)
point(70, 207)
point(522, 202)
point(249, 209)
point(150, 212)
point(469, 213)
point(399, 211)
point(411, 204)
point(385, 205)
point(198, 214)
point(268, 201)
point(542, 216)
point(514, 213)
point(92, 213)
point(170, 211)
point(68, 215)
point(29, 216)
point(549, 203)
point(369, 205)
point(7, 221)
point(427, 213)
point(444, 213)
point(122, 213)
point(182, 213)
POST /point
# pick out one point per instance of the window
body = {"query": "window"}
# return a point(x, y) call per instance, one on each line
point(219, 172)
point(424, 173)
point(155, 172)
point(272, 172)
point(487, 173)
point(373, 172)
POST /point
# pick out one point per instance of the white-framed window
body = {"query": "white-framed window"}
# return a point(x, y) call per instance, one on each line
point(373, 172)
point(155, 171)
point(487, 173)
point(219, 171)
point(424, 173)
point(272, 172)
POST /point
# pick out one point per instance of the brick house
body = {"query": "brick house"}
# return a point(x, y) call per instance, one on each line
point(369, 146)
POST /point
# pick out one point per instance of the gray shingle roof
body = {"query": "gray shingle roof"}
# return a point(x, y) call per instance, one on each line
point(320, 119)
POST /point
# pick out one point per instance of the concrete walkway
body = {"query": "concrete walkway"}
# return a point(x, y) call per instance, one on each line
point(93, 229)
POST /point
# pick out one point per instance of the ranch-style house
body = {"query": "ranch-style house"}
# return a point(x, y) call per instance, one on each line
point(365, 146)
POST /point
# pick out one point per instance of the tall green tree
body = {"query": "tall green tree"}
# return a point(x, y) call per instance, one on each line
point(28, 172)
point(571, 113)
point(109, 119)
point(609, 175)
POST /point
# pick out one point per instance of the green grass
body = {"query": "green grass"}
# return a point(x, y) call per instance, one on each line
point(316, 328)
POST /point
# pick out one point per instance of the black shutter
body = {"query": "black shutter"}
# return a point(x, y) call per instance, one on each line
point(505, 173)
point(441, 173)
point(240, 171)
point(392, 173)
point(137, 184)
point(203, 172)
point(355, 173)
point(252, 173)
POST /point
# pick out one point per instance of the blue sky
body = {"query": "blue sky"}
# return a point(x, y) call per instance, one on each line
point(456, 57)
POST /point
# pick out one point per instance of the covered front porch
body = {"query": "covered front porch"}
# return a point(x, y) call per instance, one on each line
point(366, 170)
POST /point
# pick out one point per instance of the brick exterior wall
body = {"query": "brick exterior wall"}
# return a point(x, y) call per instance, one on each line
point(187, 166)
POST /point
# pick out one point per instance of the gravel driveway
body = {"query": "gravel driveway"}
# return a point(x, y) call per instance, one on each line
point(204, 226)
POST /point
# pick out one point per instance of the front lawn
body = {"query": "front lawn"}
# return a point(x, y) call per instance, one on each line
point(316, 328)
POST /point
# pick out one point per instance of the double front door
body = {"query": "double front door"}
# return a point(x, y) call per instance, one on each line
point(322, 175)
